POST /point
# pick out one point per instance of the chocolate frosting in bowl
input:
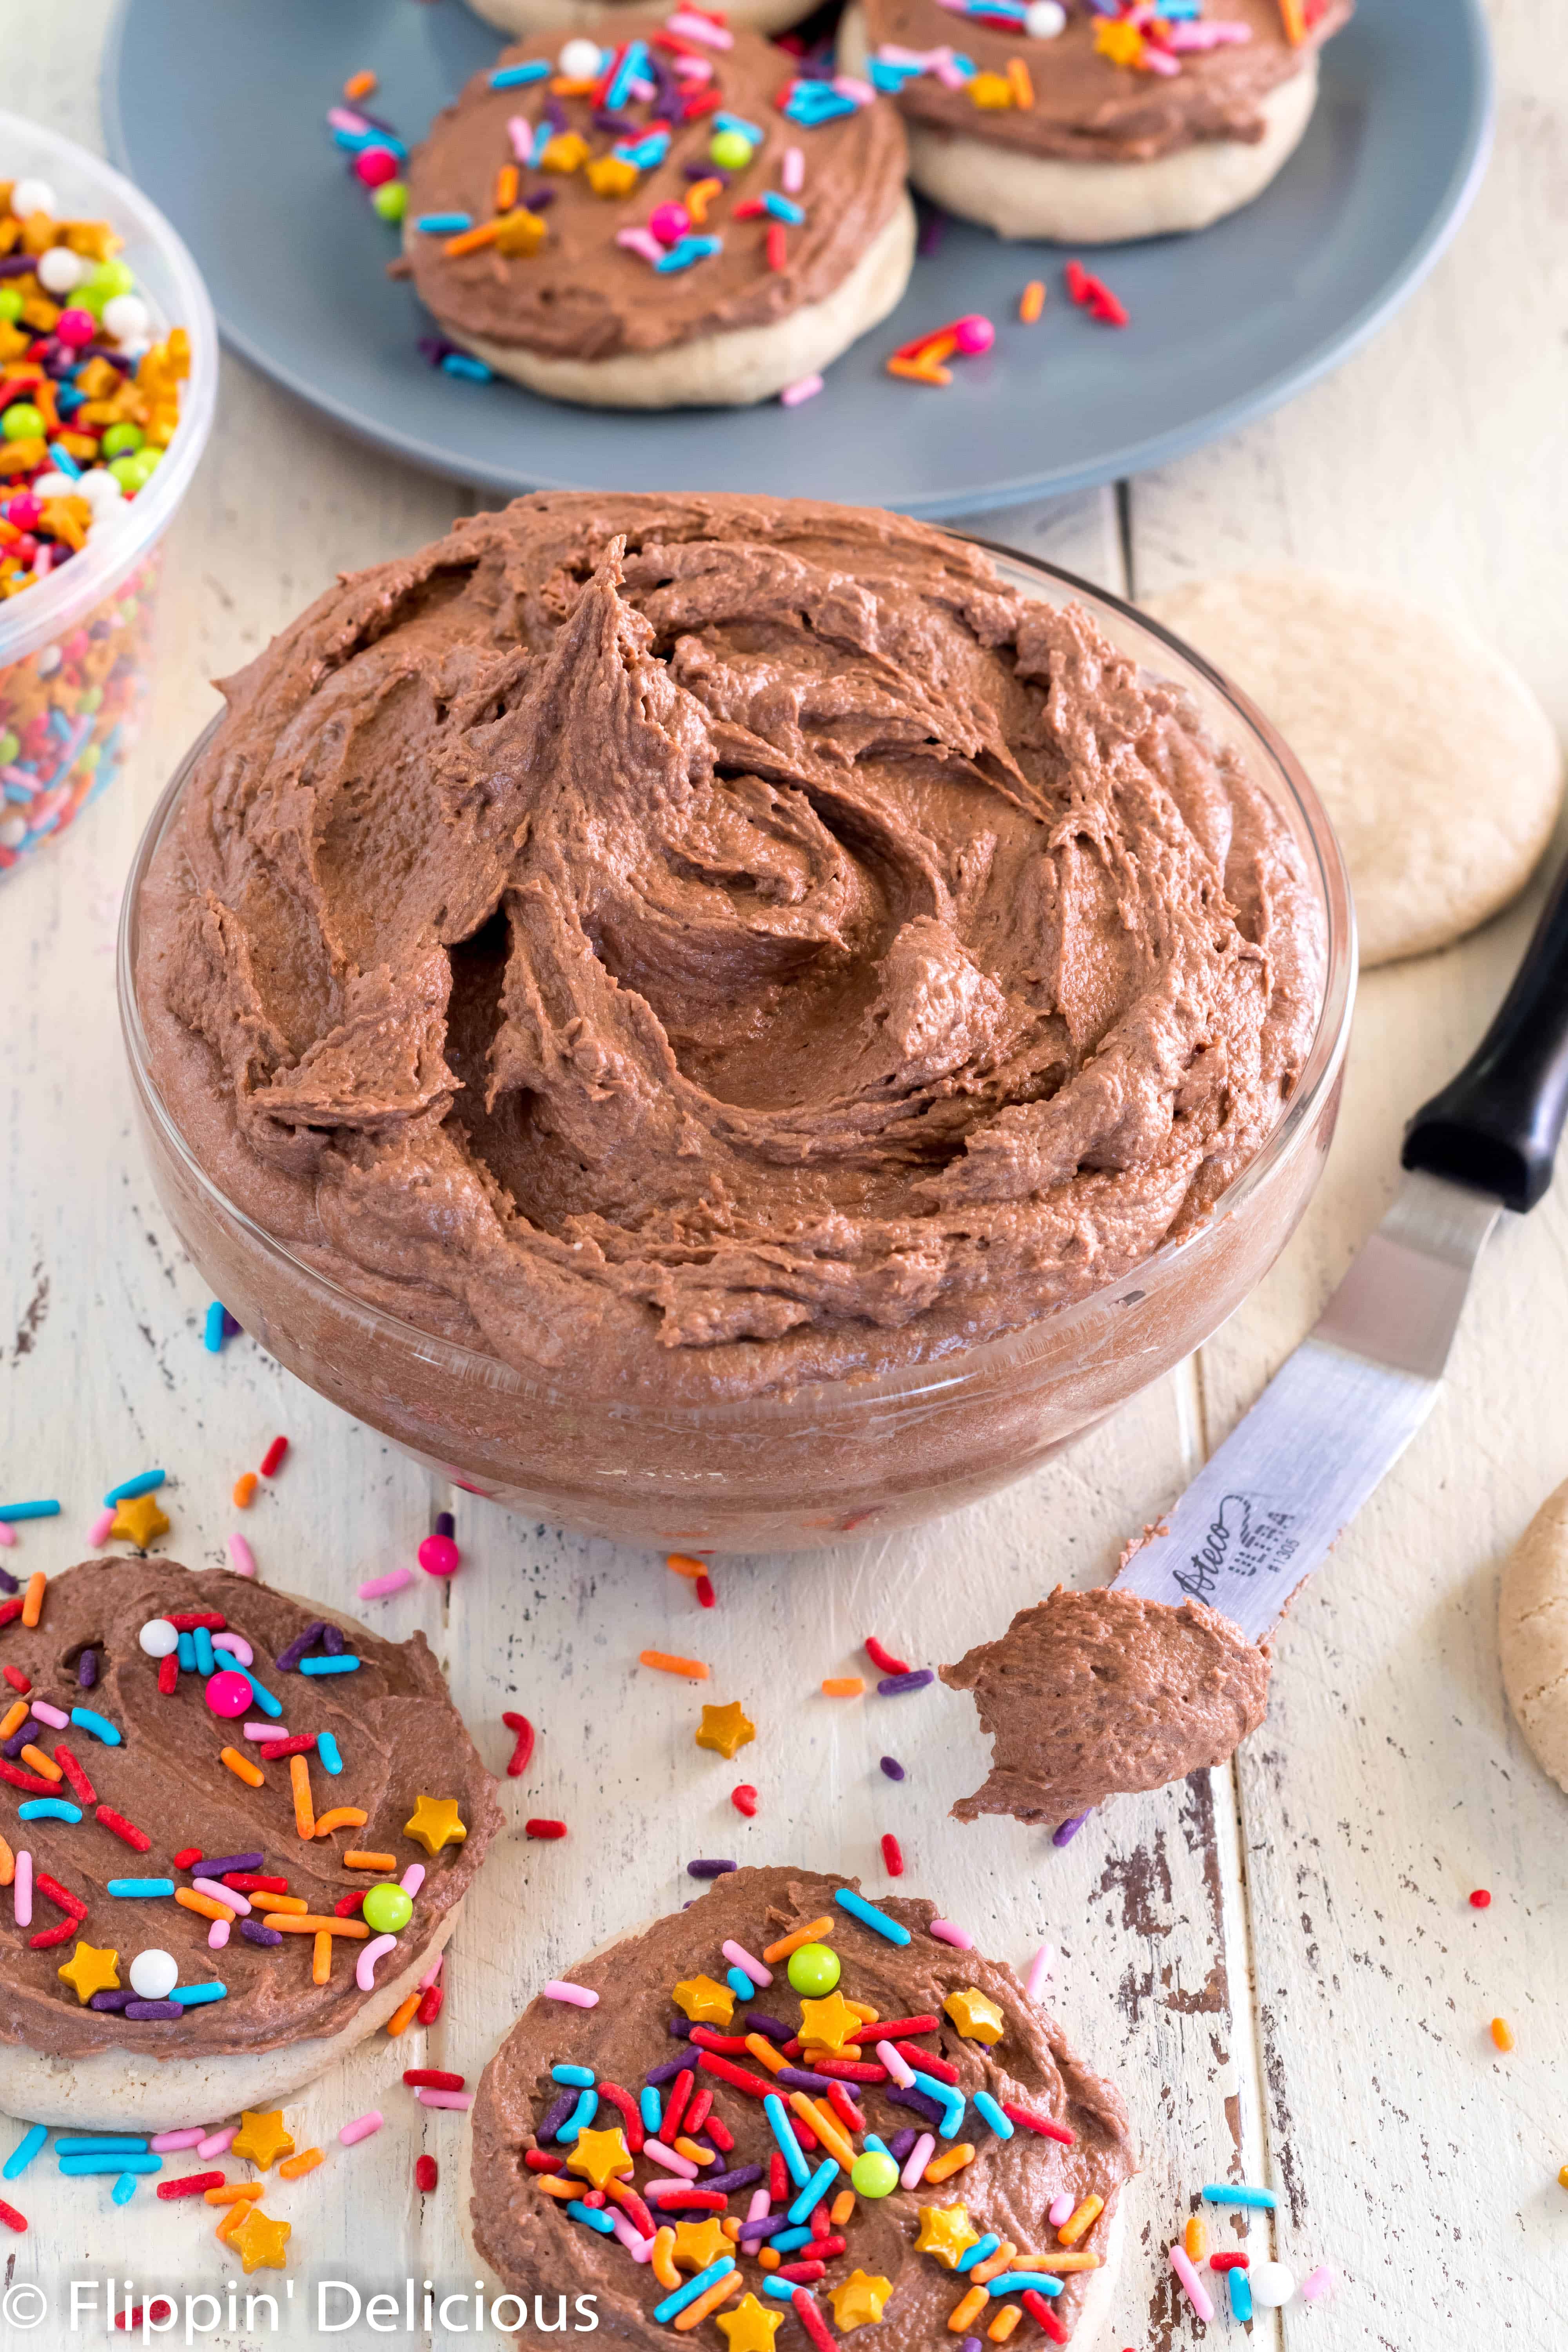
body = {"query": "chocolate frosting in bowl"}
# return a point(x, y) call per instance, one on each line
point(700, 946)
point(1087, 107)
point(398, 1733)
point(582, 295)
point(1006, 2187)
point(1099, 1694)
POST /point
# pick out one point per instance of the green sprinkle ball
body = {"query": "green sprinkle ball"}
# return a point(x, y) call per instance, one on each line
point(814, 1971)
point(873, 2174)
point(730, 150)
point(387, 1908)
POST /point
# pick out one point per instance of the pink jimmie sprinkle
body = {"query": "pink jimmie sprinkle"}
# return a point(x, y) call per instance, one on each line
point(761, 2205)
point(461, 2100)
point(944, 1930)
point(640, 240)
point(700, 29)
point(807, 388)
point(364, 1967)
point(22, 1890)
point(578, 1995)
point(1209, 35)
point(851, 86)
point(520, 133)
point(220, 1894)
point(1316, 2283)
point(260, 1731)
point(50, 1715)
point(165, 2143)
point(376, 1588)
point(428, 1979)
point(732, 1951)
point(1192, 2286)
point(412, 1878)
point(236, 1645)
point(1040, 1967)
point(640, 2248)
point(219, 2142)
point(898, 2066)
point(666, 2159)
point(1060, 2210)
point(361, 2128)
point(217, 1935)
point(241, 1559)
point(97, 1535)
point(792, 171)
point(919, 2157)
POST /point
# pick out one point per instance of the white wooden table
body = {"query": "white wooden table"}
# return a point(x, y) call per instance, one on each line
point(1278, 1960)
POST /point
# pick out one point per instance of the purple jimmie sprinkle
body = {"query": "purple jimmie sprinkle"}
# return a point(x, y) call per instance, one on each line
point(7, 1581)
point(289, 1657)
point(1069, 1829)
point(86, 1670)
point(745, 2175)
point(900, 2144)
point(152, 2009)
point(555, 114)
point(919, 2102)
point(109, 2000)
point(679, 2027)
point(797, 2078)
point(332, 1640)
point(446, 1525)
point(892, 1768)
point(555, 2115)
point(763, 2227)
point(255, 1932)
point(933, 228)
point(213, 1866)
point(18, 1739)
point(769, 2026)
point(17, 265)
point(666, 2073)
point(891, 1685)
point(536, 201)
point(971, 2343)
point(709, 1869)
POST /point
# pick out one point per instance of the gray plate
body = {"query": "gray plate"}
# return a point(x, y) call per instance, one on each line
point(216, 107)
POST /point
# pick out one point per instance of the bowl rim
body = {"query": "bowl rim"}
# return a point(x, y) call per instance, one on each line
point(40, 615)
point(958, 1366)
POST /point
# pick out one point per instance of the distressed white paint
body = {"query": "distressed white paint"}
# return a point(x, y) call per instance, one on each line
point(1287, 1951)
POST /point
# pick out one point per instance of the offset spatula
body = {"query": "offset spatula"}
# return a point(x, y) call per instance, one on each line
point(1266, 1509)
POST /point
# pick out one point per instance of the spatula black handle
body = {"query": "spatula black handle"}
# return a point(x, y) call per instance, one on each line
point(1496, 1126)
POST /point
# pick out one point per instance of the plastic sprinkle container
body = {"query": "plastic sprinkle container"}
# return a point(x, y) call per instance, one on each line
point(74, 647)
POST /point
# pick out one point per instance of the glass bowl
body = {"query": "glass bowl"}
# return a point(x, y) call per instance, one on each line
point(74, 649)
point(795, 1471)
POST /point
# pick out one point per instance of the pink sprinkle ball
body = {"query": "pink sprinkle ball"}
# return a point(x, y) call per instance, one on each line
point(375, 166)
point(974, 334)
point(25, 511)
point(439, 1556)
point(669, 223)
point(76, 327)
point(229, 1695)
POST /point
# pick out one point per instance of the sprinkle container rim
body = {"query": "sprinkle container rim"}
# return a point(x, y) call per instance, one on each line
point(89, 188)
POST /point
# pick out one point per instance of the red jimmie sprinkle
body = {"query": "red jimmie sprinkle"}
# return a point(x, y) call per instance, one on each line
point(778, 251)
point(12, 2219)
point(434, 2078)
point(631, 2120)
point(1227, 2261)
point(274, 1750)
point(805, 2136)
point(426, 2173)
point(187, 1855)
point(188, 1619)
point(519, 1760)
point(273, 1457)
point(79, 1782)
point(925, 2058)
point(811, 2319)
point(852, 2069)
point(697, 2113)
point(675, 2105)
point(926, 2022)
point(1015, 2114)
point(60, 1934)
point(191, 2184)
point(250, 1881)
point(10, 1609)
point(737, 2076)
point(728, 2045)
point(802, 2273)
point(17, 1680)
point(62, 1896)
point(537, 1827)
point(631, 2204)
point(347, 1905)
point(542, 2159)
point(1038, 2309)
point(136, 1839)
point(884, 1657)
point(1481, 1899)
point(892, 1856)
point(706, 1596)
point(744, 1799)
point(430, 2009)
point(692, 2201)
point(160, 2313)
point(168, 1683)
point(20, 1777)
point(843, 2106)
point(722, 2137)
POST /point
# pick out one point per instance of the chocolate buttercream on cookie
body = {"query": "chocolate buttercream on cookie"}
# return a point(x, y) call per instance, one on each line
point(1088, 108)
point(397, 1736)
point(1098, 1693)
point(968, 2015)
point(714, 944)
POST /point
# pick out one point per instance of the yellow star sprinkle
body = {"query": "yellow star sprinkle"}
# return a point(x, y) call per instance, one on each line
point(435, 1823)
point(977, 2019)
point(262, 2139)
point(750, 2326)
point(725, 1729)
point(831, 2024)
point(946, 2231)
point(259, 2240)
point(858, 2298)
point(698, 2243)
point(92, 1971)
point(705, 2003)
point(601, 2156)
point(140, 1522)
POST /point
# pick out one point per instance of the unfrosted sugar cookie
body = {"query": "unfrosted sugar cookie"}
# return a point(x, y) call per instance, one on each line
point(1074, 122)
point(1532, 1635)
point(668, 230)
point(169, 1880)
point(783, 2049)
point(1438, 767)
